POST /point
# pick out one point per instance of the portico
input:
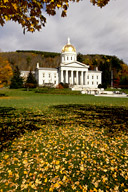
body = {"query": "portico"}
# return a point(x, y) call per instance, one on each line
point(73, 77)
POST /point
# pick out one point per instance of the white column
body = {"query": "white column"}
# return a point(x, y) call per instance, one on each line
point(81, 77)
point(62, 76)
point(66, 76)
point(84, 79)
point(79, 74)
point(77, 80)
point(72, 77)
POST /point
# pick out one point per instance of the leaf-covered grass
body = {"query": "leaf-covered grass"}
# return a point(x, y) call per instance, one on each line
point(72, 147)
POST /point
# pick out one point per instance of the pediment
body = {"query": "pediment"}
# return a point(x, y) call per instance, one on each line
point(75, 64)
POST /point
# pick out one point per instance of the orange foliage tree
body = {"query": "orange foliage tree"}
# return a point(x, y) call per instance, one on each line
point(5, 72)
point(30, 13)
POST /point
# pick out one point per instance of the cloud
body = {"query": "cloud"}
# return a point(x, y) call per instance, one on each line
point(92, 31)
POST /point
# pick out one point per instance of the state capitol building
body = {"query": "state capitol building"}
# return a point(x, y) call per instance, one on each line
point(70, 71)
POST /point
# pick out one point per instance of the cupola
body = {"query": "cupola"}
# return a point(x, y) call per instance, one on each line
point(68, 53)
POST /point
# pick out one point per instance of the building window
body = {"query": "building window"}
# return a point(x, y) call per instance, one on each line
point(49, 75)
point(71, 58)
point(54, 82)
point(97, 83)
point(43, 81)
point(97, 76)
point(43, 74)
point(88, 82)
point(92, 77)
point(54, 75)
point(88, 77)
point(92, 82)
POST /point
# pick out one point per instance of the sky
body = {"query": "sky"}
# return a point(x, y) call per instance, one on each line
point(91, 30)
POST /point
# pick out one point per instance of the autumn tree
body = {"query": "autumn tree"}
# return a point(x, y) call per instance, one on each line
point(30, 13)
point(5, 72)
point(17, 80)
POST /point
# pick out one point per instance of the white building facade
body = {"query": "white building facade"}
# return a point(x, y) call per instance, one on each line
point(70, 71)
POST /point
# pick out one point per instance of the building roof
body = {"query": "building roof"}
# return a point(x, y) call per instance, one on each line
point(94, 71)
point(43, 68)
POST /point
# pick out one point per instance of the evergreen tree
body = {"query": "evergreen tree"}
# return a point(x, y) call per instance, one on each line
point(17, 80)
point(31, 81)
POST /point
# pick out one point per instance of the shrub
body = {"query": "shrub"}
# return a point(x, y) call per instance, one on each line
point(60, 86)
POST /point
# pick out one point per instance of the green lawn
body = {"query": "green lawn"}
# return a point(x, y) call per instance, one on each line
point(30, 99)
point(63, 142)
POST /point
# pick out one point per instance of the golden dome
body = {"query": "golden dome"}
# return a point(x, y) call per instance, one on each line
point(68, 47)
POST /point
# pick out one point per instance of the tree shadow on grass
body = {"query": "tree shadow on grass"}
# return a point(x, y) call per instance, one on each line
point(3, 95)
point(112, 119)
point(15, 123)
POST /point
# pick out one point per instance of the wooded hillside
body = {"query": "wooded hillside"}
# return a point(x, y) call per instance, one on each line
point(27, 60)
point(110, 66)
